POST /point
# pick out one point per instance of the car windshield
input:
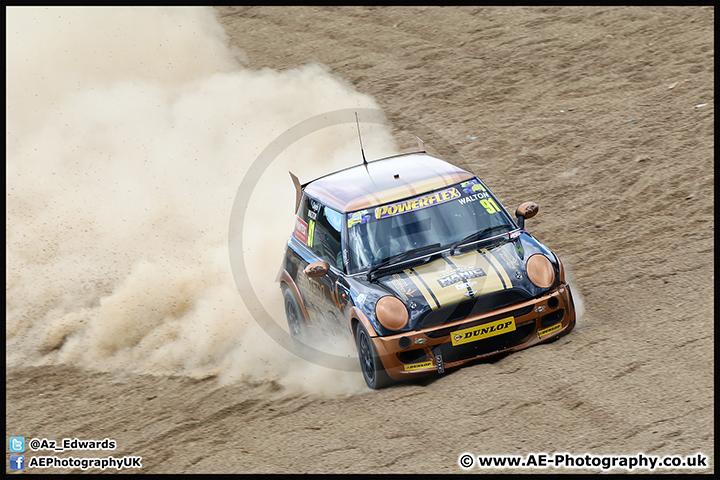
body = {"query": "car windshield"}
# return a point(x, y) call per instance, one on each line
point(443, 217)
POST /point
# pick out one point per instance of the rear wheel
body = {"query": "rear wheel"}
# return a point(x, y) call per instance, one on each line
point(371, 366)
point(295, 319)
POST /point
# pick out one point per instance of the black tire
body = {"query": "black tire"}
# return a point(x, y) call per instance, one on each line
point(296, 322)
point(372, 368)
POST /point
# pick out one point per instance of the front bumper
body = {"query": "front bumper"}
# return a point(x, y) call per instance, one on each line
point(431, 349)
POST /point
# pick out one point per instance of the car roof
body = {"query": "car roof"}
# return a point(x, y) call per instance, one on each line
point(385, 180)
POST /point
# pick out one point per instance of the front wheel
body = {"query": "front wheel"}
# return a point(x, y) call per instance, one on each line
point(371, 366)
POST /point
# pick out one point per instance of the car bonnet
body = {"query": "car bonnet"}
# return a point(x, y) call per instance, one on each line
point(494, 276)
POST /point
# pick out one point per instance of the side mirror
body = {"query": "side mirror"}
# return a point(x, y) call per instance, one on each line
point(526, 210)
point(316, 269)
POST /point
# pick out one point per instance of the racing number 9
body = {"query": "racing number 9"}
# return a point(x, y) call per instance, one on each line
point(489, 205)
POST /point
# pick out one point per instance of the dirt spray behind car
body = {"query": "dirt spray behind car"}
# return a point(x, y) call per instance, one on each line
point(122, 163)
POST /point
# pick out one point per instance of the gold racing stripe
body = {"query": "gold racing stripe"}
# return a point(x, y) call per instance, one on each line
point(420, 284)
point(369, 196)
point(498, 266)
point(385, 172)
point(491, 282)
point(450, 283)
point(334, 196)
point(400, 191)
point(447, 178)
point(430, 274)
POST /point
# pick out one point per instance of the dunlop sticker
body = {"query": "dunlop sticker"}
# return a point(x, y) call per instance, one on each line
point(417, 203)
point(417, 366)
point(542, 333)
point(486, 330)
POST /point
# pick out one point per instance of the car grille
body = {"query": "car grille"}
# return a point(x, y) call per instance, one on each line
point(412, 356)
point(446, 331)
point(487, 345)
point(551, 318)
point(474, 306)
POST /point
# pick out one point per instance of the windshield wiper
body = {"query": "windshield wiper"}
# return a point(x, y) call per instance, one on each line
point(398, 258)
point(476, 236)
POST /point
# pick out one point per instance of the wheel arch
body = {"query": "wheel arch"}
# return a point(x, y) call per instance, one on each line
point(286, 281)
point(358, 316)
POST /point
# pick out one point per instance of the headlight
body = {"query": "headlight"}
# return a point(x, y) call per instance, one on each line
point(540, 271)
point(391, 313)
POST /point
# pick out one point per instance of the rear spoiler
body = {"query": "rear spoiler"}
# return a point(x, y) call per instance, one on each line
point(298, 190)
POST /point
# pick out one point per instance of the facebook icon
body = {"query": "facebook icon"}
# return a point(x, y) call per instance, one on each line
point(17, 462)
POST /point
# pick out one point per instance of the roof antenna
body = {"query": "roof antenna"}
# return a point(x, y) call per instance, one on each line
point(361, 147)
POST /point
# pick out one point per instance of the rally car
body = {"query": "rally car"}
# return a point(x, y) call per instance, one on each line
point(421, 265)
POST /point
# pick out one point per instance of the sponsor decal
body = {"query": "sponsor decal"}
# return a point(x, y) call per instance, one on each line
point(514, 235)
point(472, 198)
point(311, 233)
point(440, 364)
point(313, 293)
point(549, 330)
point(417, 366)
point(540, 308)
point(361, 217)
point(420, 341)
point(312, 215)
point(403, 288)
point(459, 275)
point(301, 230)
point(417, 203)
point(409, 292)
point(509, 258)
point(472, 186)
point(361, 298)
point(461, 286)
point(316, 292)
point(487, 330)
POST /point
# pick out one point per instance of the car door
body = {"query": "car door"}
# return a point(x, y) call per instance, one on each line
point(319, 229)
point(324, 238)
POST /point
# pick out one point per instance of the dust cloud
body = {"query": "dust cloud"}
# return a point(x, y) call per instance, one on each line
point(128, 133)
